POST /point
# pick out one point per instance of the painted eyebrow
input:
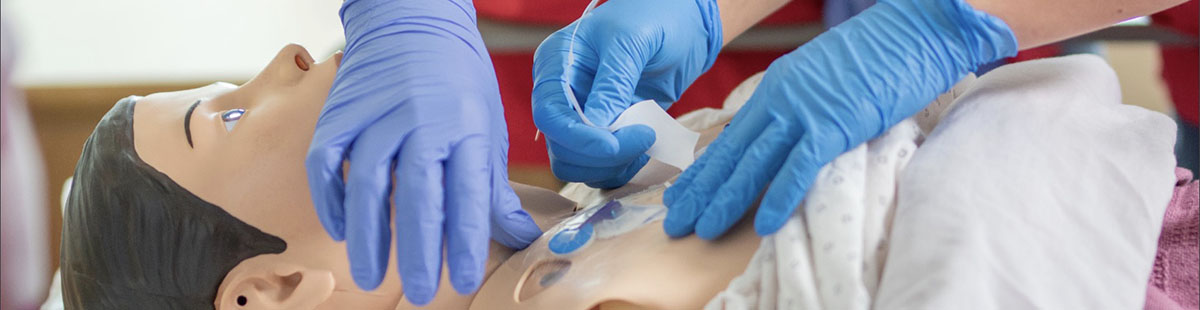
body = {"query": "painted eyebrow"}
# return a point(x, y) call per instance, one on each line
point(187, 123)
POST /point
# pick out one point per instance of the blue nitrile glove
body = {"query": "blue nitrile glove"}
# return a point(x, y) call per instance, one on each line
point(841, 89)
point(415, 96)
point(626, 51)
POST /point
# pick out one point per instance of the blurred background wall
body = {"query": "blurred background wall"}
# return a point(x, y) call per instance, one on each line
point(126, 42)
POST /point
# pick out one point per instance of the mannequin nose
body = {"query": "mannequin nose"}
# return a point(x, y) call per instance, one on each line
point(288, 66)
point(301, 63)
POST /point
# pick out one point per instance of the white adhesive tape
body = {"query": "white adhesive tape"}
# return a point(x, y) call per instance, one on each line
point(673, 143)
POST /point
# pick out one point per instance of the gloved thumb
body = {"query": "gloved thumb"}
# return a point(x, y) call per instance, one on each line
point(511, 225)
point(634, 139)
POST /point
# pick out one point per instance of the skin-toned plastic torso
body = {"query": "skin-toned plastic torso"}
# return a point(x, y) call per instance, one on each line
point(255, 172)
point(641, 269)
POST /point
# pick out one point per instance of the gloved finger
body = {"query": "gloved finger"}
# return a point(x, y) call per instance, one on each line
point(468, 195)
point(557, 120)
point(419, 214)
point(511, 225)
point(323, 165)
point(633, 140)
point(338, 125)
point(758, 165)
point(682, 207)
point(625, 174)
point(617, 76)
point(550, 64)
point(789, 186)
point(678, 190)
point(722, 156)
point(635, 144)
point(326, 187)
point(368, 231)
point(552, 113)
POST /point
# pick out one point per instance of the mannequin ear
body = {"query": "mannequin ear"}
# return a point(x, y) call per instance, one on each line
point(274, 286)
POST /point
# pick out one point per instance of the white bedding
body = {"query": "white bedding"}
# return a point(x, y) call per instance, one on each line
point(1038, 189)
point(831, 252)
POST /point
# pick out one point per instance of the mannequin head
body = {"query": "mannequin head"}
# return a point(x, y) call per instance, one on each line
point(118, 211)
point(244, 182)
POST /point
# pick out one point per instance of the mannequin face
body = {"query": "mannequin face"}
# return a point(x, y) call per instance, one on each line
point(255, 171)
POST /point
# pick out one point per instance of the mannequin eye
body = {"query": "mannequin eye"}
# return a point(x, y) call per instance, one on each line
point(231, 117)
point(241, 300)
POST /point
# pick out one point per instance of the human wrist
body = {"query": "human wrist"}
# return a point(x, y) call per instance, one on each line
point(985, 38)
point(947, 37)
point(891, 60)
point(737, 16)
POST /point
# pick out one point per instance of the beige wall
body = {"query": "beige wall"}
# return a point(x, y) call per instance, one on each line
point(1137, 66)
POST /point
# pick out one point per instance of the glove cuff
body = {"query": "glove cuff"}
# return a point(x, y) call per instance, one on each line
point(710, 15)
point(891, 60)
point(987, 38)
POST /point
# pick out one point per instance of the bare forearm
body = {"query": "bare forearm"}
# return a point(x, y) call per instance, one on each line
point(1039, 22)
point(738, 15)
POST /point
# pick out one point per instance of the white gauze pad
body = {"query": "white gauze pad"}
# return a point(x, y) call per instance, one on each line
point(673, 143)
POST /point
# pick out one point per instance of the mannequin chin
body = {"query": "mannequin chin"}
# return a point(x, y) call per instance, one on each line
point(253, 169)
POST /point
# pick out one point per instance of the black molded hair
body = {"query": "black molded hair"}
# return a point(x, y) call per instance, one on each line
point(134, 239)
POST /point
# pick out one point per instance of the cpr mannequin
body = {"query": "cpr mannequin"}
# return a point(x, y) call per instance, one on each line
point(249, 170)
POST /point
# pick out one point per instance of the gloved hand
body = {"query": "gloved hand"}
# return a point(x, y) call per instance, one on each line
point(625, 51)
point(416, 96)
point(841, 89)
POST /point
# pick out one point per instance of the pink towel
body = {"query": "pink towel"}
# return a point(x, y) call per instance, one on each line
point(1173, 282)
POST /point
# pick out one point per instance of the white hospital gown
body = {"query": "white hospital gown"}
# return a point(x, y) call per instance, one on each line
point(841, 229)
point(831, 255)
